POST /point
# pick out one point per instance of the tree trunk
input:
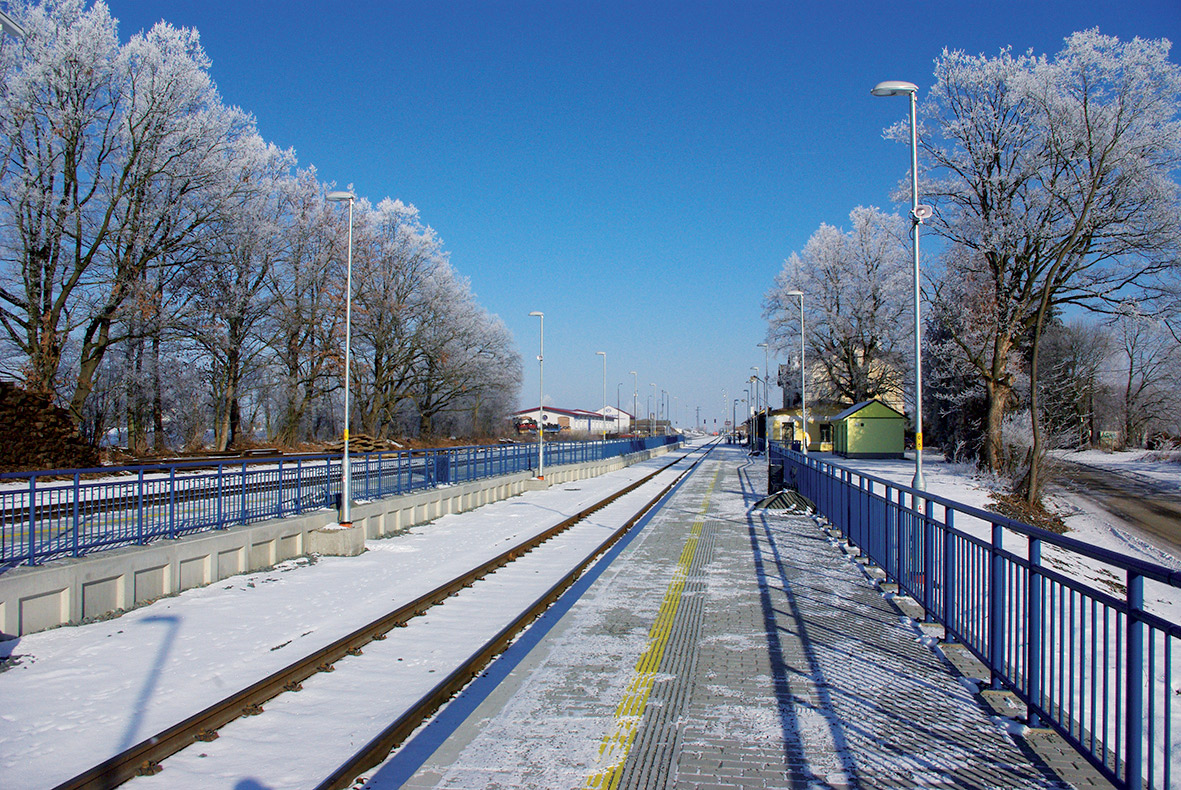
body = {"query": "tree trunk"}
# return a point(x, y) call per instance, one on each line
point(997, 395)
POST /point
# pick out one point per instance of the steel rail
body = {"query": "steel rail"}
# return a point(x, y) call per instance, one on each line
point(376, 751)
point(144, 758)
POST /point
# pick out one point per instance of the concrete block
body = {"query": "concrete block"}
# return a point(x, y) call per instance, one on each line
point(150, 583)
point(337, 542)
point(194, 572)
point(290, 546)
point(263, 554)
point(229, 563)
point(49, 609)
point(101, 596)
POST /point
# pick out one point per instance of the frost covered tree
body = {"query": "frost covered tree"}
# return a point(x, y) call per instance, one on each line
point(395, 256)
point(1074, 356)
point(468, 358)
point(304, 291)
point(226, 282)
point(1150, 362)
point(114, 157)
point(855, 302)
point(1053, 182)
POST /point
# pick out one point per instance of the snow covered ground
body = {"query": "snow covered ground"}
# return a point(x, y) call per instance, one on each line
point(1160, 468)
point(77, 695)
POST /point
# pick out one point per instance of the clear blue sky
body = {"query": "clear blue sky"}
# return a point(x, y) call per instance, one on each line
point(636, 170)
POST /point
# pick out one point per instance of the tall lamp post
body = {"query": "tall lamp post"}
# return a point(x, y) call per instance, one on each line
point(803, 394)
point(635, 399)
point(603, 354)
point(755, 380)
point(540, 397)
point(651, 423)
point(767, 404)
point(345, 513)
point(917, 215)
point(750, 441)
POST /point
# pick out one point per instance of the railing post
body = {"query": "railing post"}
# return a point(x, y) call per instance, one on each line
point(279, 497)
point(368, 495)
point(32, 523)
point(172, 502)
point(1134, 682)
point(77, 513)
point(298, 485)
point(221, 521)
point(996, 612)
point(929, 561)
point(244, 505)
point(948, 574)
point(1033, 630)
point(328, 482)
point(139, 521)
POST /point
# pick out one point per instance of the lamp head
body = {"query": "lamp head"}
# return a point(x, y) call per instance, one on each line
point(336, 197)
point(894, 88)
point(538, 314)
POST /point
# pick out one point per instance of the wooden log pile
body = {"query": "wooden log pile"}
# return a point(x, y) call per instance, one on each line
point(37, 435)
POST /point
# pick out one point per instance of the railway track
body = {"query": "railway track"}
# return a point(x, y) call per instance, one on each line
point(145, 758)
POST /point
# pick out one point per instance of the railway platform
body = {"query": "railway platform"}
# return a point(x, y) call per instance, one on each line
point(727, 646)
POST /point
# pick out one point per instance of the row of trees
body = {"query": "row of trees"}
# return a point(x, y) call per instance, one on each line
point(168, 273)
point(1053, 183)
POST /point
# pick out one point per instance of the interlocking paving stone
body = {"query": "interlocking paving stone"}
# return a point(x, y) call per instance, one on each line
point(785, 668)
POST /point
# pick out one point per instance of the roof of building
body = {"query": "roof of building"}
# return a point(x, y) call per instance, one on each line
point(567, 412)
point(849, 412)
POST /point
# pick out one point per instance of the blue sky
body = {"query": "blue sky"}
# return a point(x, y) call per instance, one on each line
point(636, 170)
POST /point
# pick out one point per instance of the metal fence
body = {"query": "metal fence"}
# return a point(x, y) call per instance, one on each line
point(59, 513)
point(1062, 624)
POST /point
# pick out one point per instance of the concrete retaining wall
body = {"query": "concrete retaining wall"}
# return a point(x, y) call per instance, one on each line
point(72, 590)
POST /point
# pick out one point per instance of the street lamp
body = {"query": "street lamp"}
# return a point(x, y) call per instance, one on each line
point(803, 394)
point(603, 354)
point(651, 425)
point(540, 397)
point(345, 514)
point(755, 380)
point(10, 27)
point(750, 433)
point(767, 404)
point(635, 399)
point(917, 215)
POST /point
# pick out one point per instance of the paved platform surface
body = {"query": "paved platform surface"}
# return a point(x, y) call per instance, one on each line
point(735, 648)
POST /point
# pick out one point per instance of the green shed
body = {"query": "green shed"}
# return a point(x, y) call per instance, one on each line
point(870, 429)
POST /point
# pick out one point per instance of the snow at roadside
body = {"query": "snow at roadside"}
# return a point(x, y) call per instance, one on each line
point(1162, 469)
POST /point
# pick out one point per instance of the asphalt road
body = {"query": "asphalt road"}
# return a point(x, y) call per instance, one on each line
point(1144, 507)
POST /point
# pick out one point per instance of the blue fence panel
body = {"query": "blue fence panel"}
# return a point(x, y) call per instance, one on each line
point(1090, 661)
point(57, 513)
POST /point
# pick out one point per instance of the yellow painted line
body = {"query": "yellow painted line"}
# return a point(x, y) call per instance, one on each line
point(614, 749)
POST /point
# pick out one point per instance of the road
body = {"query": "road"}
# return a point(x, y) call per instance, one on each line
point(1149, 510)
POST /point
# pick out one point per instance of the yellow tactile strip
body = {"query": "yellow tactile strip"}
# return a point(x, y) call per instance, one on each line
point(615, 746)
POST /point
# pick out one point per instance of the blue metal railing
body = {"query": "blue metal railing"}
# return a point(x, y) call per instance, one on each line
point(61, 513)
point(1087, 656)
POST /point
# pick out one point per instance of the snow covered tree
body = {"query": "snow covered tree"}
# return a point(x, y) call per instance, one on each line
point(114, 157)
point(305, 324)
point(226, 281)
point(1151, 375)
point(856, 305)
point(1053, 178)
